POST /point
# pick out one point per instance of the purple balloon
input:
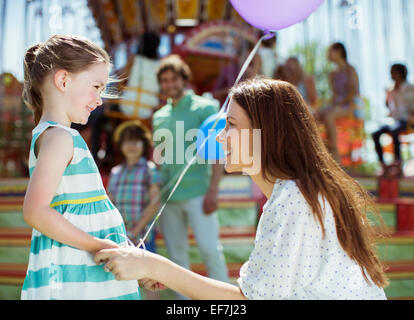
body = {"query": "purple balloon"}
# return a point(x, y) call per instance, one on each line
point(272, 15)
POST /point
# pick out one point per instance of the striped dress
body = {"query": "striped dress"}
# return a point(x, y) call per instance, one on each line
point(59, 271)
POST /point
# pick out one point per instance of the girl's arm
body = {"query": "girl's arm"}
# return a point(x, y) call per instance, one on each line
point(149, 210)
point(55, 153)
point(133, 263)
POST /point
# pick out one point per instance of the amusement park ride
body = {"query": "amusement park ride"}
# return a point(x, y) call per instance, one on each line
point(210, 29)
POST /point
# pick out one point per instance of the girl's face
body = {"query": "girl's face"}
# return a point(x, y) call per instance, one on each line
point(84, 92)
point(132, 149)
point(241, 143)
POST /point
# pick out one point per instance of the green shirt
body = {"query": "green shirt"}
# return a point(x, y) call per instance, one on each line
point(188, 113)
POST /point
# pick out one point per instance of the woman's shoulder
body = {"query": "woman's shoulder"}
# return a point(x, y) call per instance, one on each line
point(283, 188)
point(284, 192)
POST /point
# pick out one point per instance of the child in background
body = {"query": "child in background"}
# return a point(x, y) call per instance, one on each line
point(65, 202)
point(134, 184)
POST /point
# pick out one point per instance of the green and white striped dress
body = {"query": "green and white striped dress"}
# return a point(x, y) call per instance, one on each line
point(59, 271)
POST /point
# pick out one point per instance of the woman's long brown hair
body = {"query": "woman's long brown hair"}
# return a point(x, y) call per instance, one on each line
point(293, 149)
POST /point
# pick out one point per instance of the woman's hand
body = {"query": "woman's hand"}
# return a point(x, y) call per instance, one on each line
point(151, 285)
point(128, 263)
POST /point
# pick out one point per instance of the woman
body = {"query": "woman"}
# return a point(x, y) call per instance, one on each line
point(345, 99)
point(313, 239)
point(293, 72)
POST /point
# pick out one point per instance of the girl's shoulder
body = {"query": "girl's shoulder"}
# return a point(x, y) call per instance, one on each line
point(57, 134)
point(45, 125)
point(52, 135)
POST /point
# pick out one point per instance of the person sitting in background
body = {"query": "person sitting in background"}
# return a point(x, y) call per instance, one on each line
point(400, 101)
point(293, 73)
point(344, 84)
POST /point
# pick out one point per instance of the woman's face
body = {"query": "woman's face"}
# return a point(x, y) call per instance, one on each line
point(333, 55)
point(241, 144)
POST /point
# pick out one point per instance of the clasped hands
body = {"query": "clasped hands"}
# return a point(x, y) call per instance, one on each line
point(131, 263)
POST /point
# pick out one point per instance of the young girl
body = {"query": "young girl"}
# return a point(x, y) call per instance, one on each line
point(65, 201)
point(134, 184)
point(313, 239)
point(345, 94)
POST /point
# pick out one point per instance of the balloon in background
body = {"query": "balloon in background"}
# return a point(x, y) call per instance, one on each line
point(212, 150)
point(272, 15)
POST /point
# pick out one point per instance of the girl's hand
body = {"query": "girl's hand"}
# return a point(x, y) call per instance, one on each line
point(100, 244)
point(128, 263)
point(151, 285)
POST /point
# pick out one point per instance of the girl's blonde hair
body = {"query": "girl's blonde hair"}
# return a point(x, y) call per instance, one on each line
point(71, 53)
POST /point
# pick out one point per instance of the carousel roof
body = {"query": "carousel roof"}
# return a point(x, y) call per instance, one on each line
point(122, 20)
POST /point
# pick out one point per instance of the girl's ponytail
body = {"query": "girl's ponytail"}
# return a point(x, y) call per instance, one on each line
point(31, 89)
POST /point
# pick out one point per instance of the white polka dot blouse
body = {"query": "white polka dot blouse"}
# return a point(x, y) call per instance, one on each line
point(291, 260)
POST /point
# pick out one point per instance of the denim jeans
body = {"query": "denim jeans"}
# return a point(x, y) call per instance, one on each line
point(399, 126)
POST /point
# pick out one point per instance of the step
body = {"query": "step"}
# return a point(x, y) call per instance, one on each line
point(401, 280)
point(397, 248)
point(389, 217)
point(12, 273)
point(405, 185)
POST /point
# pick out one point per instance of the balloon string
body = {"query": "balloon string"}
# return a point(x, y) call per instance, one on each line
point(223, 110)
point(129, 242)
